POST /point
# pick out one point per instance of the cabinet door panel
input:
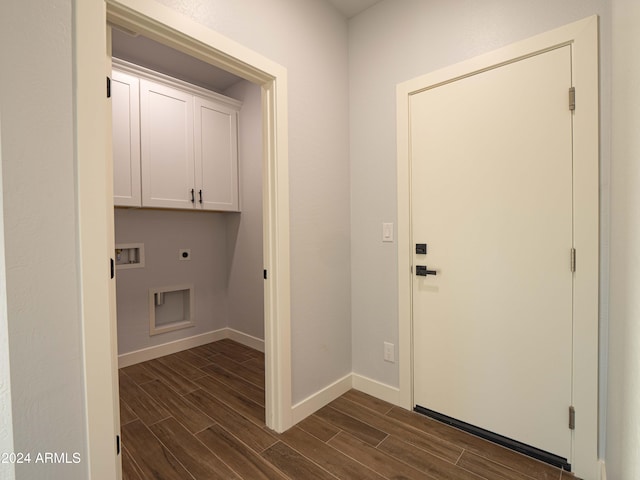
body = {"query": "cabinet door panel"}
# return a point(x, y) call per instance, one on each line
point(125, 105)
point(216, 155)
point(167, 146)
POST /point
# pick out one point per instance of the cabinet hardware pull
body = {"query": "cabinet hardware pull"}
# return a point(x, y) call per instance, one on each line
point(200, 193)
point(193, 197)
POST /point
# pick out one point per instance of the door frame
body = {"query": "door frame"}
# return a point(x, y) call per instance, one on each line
point(95, 206)
point(583, 38)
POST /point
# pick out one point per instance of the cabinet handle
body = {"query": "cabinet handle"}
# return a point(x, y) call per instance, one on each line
point(193, 197)
point(200, 193)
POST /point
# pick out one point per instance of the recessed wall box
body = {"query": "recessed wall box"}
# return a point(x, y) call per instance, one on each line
point(170, 308)
point(129, 255)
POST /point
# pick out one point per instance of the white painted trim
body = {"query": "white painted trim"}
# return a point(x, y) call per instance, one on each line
point(157, 351)
point(148, 74)
point(603, 470)
point(246, 339)
point(7, 471)
point(94, 207)
point(315, 402)
point(583, 38)
point(376, 389)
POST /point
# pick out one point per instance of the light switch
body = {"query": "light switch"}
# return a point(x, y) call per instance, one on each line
point(387, 232)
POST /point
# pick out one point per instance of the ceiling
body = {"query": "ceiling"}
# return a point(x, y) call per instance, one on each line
point(155, 56)
point(349, 8)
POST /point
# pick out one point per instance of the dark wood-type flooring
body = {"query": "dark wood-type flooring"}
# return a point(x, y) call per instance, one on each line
point(199, 414)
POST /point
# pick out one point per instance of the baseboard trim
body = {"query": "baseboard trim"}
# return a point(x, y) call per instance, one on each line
point(376, 389)
point(246, 339)
point(315, 402)
point(149, 353)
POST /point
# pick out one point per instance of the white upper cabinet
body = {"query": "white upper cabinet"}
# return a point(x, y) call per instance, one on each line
point(126, 139)
point(186, 140)
point(216, 153)
point(166, 124)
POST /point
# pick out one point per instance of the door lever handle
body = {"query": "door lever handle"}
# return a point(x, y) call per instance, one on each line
point(423, 271)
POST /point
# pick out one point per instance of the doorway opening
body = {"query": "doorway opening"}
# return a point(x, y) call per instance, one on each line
point(95, 200)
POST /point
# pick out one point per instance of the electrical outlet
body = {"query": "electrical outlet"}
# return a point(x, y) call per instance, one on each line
point(389, 352)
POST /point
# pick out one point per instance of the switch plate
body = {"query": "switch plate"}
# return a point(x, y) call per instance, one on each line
point(387, 232)
point(389, 352)
point(184, 254)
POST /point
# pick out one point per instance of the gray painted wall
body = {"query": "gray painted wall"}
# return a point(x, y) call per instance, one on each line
point(164, 233)
point(623, 393)
point(309, 38)
point(244, 231)
point(40, 227)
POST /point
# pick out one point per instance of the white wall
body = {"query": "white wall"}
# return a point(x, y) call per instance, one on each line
point(40, 228)
point(623, 414)
point(397, 40)
point(244, 230)
point(164, 233)
point(309, 38)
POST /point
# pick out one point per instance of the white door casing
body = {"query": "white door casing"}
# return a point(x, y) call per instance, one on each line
point(582, 37)
point(491, 170)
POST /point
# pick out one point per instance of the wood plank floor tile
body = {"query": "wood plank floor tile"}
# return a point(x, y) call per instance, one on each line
point(255, 364)
point(425, 461)
point(359, 429)
point(192, 359)
point(217, 430)
point(126, 414)
point(246, 462)
point(486, 468)
point(367, 401)
point(375, 459)
point(234, 398)
point(144, 407)
point(153, 458)
point(318, 428)
point(249, 390)
point(199, 460)
point(326, 456)
point(175, 363)
point(237, 369)
point(138, 373)
point(433, 444)
point(293, 464)
point(204, 351)
point(130, 470)
point(504, 456)
point(182, 409)
point(170, 377)
point(234, 351)
point(254, 436)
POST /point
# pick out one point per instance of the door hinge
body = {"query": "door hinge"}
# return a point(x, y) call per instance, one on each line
point(265, 274)
point(117, 444)
point(108, 87)
point(573, 260)
point(572, 417)
point(112, 263)
point(572, 98)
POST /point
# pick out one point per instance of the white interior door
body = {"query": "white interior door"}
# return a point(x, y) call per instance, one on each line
point(491, 196)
